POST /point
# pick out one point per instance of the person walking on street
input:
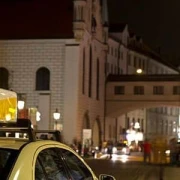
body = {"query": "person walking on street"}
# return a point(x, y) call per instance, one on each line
point(173, 151)
point(147, 151)
point(109, 149)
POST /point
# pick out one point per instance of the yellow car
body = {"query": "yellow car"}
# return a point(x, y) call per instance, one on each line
point(23, 156)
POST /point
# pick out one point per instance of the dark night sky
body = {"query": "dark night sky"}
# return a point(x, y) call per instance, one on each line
point(157, 21)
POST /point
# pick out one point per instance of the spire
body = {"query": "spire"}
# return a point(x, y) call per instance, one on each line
point(105, 20)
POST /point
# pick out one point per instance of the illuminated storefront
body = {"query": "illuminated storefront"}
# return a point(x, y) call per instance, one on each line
point(134, 136)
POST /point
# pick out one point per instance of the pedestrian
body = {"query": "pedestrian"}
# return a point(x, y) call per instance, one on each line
point(173, 151)
point(147, 151)
point(109, 149)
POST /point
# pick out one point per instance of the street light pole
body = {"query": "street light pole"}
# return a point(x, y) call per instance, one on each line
point(20, 105)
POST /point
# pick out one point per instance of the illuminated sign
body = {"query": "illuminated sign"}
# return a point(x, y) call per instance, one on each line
point(8, 105)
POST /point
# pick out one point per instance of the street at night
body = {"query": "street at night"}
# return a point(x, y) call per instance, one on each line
point(93, 81)
point(134, 157)
point(133, 169)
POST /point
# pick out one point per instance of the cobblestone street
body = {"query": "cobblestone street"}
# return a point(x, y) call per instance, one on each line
point(134, 170)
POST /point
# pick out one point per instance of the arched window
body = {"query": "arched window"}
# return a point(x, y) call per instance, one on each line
point(4, 77)
point(43, 79)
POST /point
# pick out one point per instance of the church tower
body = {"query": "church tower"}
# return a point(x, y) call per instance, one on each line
point(79, 18)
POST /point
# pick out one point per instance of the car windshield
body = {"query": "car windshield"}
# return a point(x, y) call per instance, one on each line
point(7, 159)
point(121, 145)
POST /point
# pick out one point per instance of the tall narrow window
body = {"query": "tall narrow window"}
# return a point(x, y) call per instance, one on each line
point(143, 64)
point(83, 72)
point(110, 132)
point(90, 71)
point(112, 69)
point(4, 77)
point(135, 61)
point(118, 64)
point(142, 125)
point(166, 127)
point(133, 122)
point(162, 126)
point(129, 59)
point(128, 123)
point(43, 79)
point(97, 81)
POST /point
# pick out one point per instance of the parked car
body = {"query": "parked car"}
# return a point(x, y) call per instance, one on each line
point(26, 157)
point(121, 148)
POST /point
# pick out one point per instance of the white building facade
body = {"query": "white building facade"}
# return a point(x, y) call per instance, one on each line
point(64, 66)
point(65, 73)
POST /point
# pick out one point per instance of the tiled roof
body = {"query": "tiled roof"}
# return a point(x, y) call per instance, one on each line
point(142, 48)
point(34, 19)
point(143, 77)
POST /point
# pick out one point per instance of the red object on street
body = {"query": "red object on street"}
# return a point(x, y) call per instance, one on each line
point(147, 147)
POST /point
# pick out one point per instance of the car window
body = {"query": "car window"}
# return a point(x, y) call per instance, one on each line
point(39, 173)
point(77, 168)
point(7, 159)
point(121, 145)
point(51, 165)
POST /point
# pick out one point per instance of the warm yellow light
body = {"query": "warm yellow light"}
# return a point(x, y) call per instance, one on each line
point(12, 110)
point(20, 104)
point(139, 71)
point(56, 115)
point(38, 116)
point(137, 125)
point(8, 117)
point(8, 107)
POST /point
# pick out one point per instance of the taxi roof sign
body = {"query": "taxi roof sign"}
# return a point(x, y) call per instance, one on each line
point(8, 105)
point(4, 94)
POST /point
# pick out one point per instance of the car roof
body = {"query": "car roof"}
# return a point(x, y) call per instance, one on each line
point(18, 143)
point(12, 143)
point(26, 135)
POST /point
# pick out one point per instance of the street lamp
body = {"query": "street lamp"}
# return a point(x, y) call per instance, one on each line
point(38, 116)
point(139, 71)
point(20, 105)
point(56, 116)
point(137, 126)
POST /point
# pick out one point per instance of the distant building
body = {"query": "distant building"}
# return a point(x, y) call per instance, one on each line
point(127, 54)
